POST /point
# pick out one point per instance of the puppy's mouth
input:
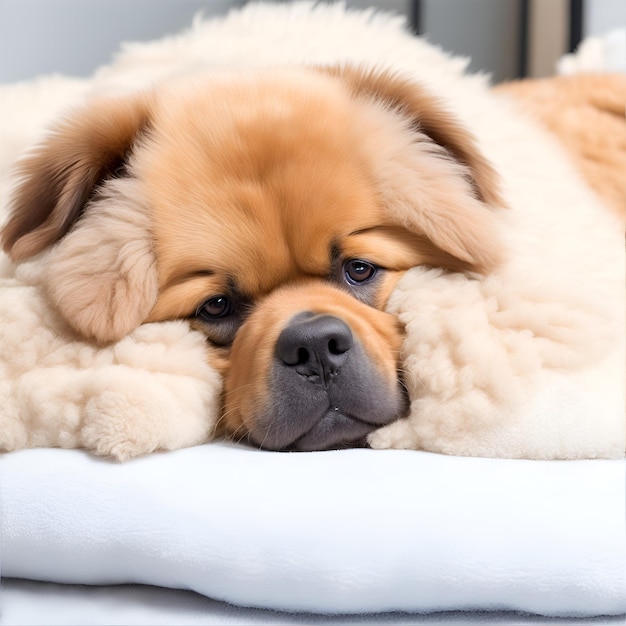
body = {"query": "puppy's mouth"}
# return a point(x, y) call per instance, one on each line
point(335, 429)
point(326, 392)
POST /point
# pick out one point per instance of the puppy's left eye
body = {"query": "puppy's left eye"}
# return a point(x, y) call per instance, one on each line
point(358, 272)
point(220, 317)
point(215, 308)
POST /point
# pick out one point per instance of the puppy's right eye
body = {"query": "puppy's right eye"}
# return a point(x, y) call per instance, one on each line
point(215, 308)
point(358, 272)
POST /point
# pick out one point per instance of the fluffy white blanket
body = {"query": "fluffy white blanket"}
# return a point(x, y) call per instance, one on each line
point(327, 532)
point(536, 366)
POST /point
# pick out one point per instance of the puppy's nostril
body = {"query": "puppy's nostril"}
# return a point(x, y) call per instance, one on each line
point(303, 356)
point(339, 345)
point(290, 353)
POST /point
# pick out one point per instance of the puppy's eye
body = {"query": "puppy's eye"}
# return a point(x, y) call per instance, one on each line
point(357, 271)
point(215, 308)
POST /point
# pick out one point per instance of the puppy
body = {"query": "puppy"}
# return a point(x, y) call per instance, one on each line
point(276, 210)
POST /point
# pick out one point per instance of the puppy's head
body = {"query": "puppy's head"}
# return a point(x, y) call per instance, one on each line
point(276, 210)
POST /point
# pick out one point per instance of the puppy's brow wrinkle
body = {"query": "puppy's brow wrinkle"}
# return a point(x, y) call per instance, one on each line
point(181, 278)
point(363, 230)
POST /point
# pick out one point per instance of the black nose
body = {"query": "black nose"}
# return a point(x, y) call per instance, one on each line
point(315, 345)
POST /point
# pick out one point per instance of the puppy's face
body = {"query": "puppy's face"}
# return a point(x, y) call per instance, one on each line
point(276, 211)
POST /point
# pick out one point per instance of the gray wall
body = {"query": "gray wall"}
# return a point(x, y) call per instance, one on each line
point(601, 16)
point(76, 36)
point(486, 30)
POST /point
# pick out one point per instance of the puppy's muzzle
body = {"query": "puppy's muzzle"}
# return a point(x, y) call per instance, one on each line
point(326, 391)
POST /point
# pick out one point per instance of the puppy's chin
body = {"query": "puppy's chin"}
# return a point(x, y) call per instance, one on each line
point(313, 369)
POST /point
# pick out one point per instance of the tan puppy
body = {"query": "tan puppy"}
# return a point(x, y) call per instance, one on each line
point(276, 210)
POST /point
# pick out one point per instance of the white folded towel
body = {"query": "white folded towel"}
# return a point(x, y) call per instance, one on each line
point(350, 531)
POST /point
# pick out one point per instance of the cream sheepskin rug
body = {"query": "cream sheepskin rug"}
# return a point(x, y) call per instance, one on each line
point(525, 363)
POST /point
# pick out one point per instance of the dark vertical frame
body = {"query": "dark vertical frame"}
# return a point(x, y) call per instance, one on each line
point(523, 34)
point(576, 19)
point(575, 33)
point(415, 16)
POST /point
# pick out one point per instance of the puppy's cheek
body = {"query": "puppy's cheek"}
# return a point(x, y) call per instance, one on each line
point(387, 287)
point(382, 335)
point(104, 295)
point(247, 380)
point(242, 415)
point(102, 276)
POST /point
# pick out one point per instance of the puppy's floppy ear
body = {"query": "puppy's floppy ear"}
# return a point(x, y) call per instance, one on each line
point(58, 176)
point(102, 275)
point(459, 186)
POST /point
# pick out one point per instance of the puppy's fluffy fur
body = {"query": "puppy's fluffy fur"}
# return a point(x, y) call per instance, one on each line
point(271, 206)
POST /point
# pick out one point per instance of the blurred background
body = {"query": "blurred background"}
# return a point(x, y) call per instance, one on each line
point(506, 38)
